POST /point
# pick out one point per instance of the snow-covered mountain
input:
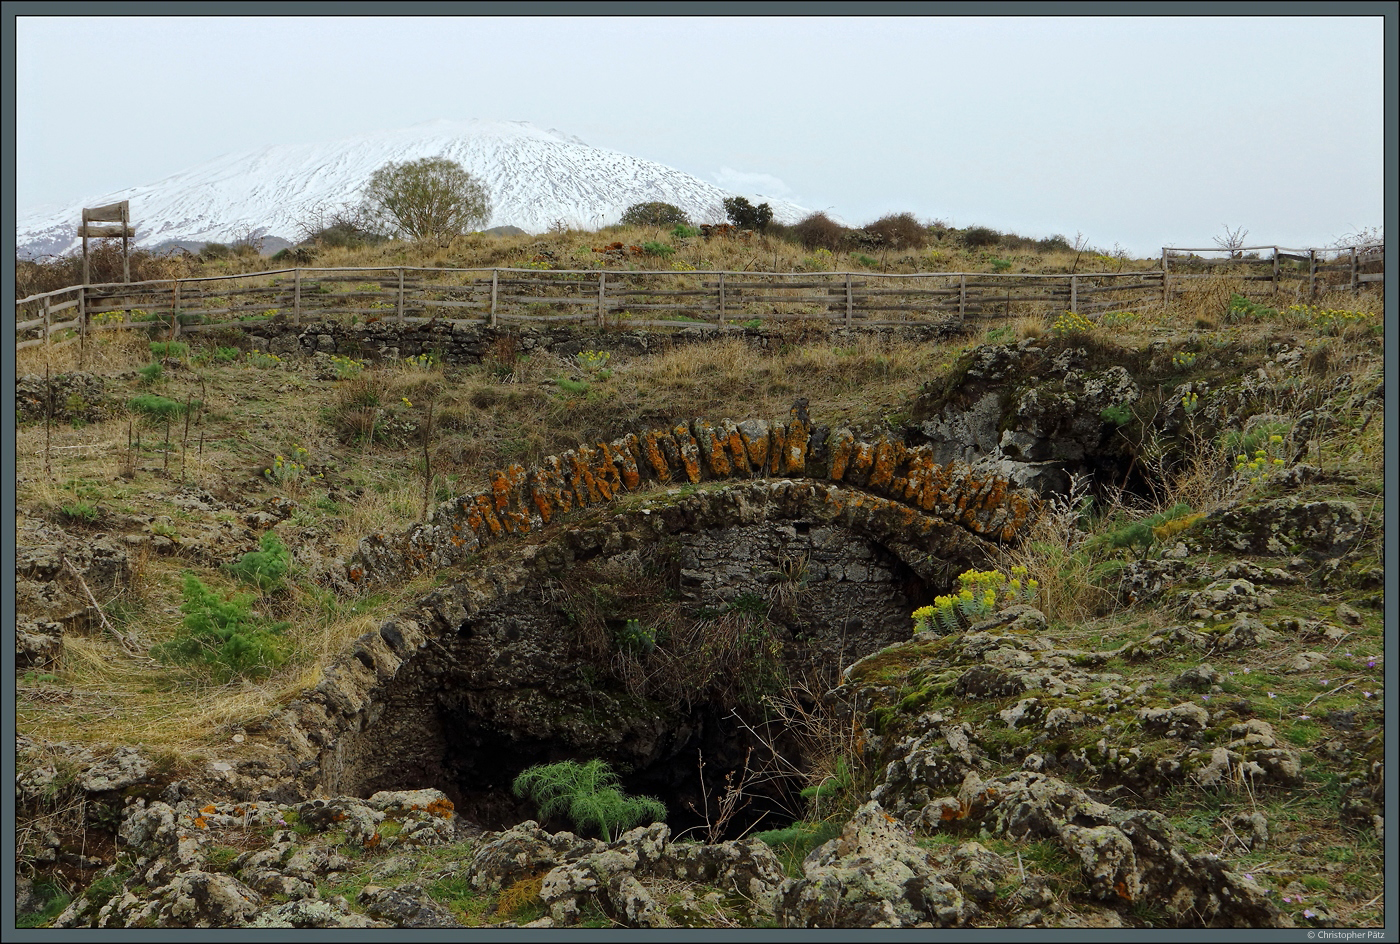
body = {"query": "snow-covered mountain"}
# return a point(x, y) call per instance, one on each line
point(536, 178)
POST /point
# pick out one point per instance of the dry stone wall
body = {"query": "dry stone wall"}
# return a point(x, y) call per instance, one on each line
point(884, 476)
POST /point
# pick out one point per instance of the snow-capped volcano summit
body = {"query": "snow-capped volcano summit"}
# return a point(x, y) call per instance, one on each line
point(537, 178)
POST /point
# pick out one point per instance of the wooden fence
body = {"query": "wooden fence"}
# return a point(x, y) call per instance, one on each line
point(1349, 267)
point(633, 299)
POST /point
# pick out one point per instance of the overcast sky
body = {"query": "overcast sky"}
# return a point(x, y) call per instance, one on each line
point(1135, 131)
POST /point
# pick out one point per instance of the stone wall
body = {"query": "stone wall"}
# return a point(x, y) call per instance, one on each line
point(467, 343)
point(889, 478)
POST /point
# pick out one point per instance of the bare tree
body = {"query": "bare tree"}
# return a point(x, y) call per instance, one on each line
point(1233, 240)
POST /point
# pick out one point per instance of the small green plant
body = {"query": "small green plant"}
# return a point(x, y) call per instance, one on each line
point(1268, 457)
point(290, 471)
point(1183, 359)
point(820, 259)
point(1190, 402)
point(1001, 265)
point(420, 362)
point(346, 367)
point(658, 249)
point(222, 633)
point(635, 638)
point(55, 901)
point(263, 568)
point(980, 593)
point(157, 407)
point(588, 793)
point(1145, 533)
point(865, 260)
point(1116, 319)
point(82, 511)
point(264, 360)
point(574, 388)
point(172, 349)
point(150, 373)
point(1070, 324)
point(1242, 309)
point(793, 844)
point(1118, 415)
point(681, 231)
point(592, 360)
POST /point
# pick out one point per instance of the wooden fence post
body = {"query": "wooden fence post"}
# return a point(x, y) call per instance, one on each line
point(296, 295)
point(400, 294)
point(962, 296)
point(82, 328)
point(174, 300)
point(1355, 285)
point(849, 301)
point(1074, 294)
point(494, 274)
point(1275, 270)
point(720, 319)
point(1312, 273)
point(602, 304)
point(46, 321)
point(1165, 291)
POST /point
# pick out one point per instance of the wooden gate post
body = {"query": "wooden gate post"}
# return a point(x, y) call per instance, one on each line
point(602, 304)
point(494, 274)
point(849, 303)
point(400, 295)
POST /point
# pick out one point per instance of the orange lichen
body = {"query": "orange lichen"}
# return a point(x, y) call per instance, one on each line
point(757, 449)
point(841, 442)
point(862, 457)
point(500, 491)
point(373, 841)
point(493, 524)
point(887, 457)
point(738, 455)
point(795, 449)
point(210, 808)
point(200, 822)
point(777, 437)
point(440, 807)
point(689, 451)
point(626, 459)
point(651, 448)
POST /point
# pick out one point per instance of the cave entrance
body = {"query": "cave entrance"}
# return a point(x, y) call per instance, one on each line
point(700, 670)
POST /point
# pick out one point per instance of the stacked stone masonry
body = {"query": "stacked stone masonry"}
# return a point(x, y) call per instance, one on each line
point(887, 474)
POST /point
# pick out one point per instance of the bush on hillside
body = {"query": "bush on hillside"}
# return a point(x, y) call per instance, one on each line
point(654, 213)
point(898, 231)
point(745, 215)
point(980, 237)
point(432, 199)
point(820, 231)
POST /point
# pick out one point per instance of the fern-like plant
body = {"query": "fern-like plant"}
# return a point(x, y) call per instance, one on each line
point(588, 794)
point(263, 568)
point(223, 634)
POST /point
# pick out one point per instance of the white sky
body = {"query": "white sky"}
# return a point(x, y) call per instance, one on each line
point(1136, 131)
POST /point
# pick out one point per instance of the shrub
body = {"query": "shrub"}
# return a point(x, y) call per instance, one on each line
point(222, 634)
point(979, 237)
point(151, 373)
point(820, 231)
point(588, 793)
point(263, 568)
point(654, 213)
point(657, 249)
point(898, 231)
point(683, 231)
point(745, 215)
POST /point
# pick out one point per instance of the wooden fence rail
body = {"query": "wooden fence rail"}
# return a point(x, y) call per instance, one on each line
point(640, 299)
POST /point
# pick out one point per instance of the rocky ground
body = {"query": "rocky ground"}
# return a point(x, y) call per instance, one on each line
point(1182, 726)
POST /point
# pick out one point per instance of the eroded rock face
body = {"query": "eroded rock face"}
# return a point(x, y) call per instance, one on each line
point(1026, 412)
